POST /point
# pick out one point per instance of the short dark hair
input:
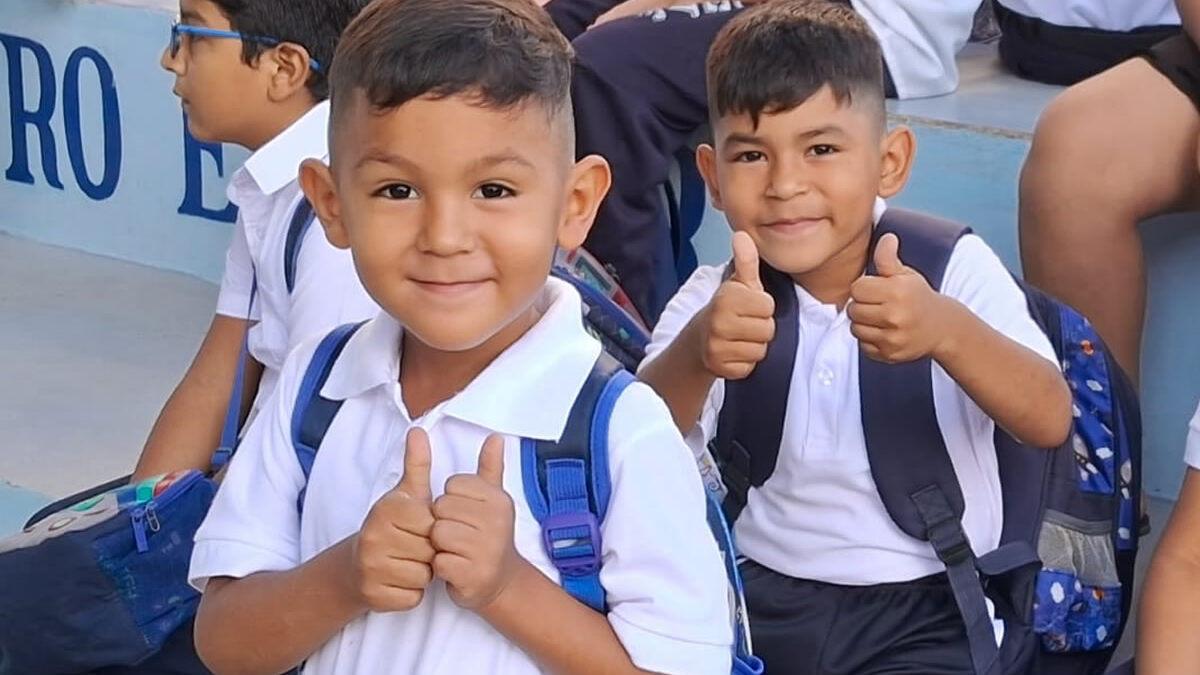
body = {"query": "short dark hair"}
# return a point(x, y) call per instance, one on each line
point(315, 25)
point(774, 56)
point(502, 52)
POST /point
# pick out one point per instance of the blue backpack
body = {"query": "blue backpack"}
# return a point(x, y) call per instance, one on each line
point(567, 483)
point(1062, 575)
point(99, 579)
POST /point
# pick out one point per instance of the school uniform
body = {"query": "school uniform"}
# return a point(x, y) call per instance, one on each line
point(640, 97)
point(833, 584)
point(662, 572)
point(327, 292)
point(1065, 41)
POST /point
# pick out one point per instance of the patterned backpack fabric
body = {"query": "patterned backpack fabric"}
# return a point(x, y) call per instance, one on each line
point(1063, 573)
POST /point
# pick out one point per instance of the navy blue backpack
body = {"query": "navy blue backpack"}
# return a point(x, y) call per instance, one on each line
point(567, 483)
point(1062, 576)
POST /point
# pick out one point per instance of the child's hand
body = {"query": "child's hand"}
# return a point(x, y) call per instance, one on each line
point(473, 532)
point(740, 319)
point(392, 552)
point(895, 315)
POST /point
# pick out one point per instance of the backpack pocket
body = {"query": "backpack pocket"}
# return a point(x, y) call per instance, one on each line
point(1078, 600)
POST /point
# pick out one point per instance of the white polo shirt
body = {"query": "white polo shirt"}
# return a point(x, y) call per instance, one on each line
point(662, 570)
point(1110, 15)
point(920, 40)
point(327, 292)
point(819, 515)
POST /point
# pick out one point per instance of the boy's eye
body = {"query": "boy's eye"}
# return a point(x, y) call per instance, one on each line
point(820, 150)
point(749, 156)
point(397, 191)
point(492, 191)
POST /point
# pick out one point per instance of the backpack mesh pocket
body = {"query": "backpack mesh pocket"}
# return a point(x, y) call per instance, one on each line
point(1078, 601)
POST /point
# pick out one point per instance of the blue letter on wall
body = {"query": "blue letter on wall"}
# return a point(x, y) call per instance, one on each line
point(112, 124)
point(193, 175)
point(22, 117)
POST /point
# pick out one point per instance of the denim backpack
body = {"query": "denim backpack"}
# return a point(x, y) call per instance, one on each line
point(1062, 576)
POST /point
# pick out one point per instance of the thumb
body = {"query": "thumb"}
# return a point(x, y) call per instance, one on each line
point(887, 256)
point(491, 461)
point(745, 261)
point(417, 459)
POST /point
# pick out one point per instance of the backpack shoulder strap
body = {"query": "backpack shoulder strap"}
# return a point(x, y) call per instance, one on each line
point(750, 424)
point(901, 431)
point(302, 219)
point(313, 413)
point(567, 483)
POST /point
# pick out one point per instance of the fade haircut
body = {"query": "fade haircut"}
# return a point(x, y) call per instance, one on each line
point(315, 25)
point(776, 55)
point(502, 53)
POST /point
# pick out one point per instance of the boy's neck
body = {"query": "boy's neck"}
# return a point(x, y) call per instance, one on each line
point(276, 121)
point(830, 283)
point(429, 376)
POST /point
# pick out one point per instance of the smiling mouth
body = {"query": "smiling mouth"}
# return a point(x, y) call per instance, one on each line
point(449, 288)
point(794, 224)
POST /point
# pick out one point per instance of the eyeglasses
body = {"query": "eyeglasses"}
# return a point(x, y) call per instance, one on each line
point(178, 30)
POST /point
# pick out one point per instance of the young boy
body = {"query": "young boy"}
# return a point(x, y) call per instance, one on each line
point(253, 73)
point(801, 163)
point(452, 181)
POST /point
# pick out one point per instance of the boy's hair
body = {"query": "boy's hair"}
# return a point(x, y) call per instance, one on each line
point(504, 53)
point(315, 25)
point(776, 55)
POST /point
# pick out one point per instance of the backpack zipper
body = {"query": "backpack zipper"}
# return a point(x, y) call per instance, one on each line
point(145, 517)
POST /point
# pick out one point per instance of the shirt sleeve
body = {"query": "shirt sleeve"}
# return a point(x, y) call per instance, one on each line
point(328, 292)
point(253, 524)
point(1191, 454)
point(238, 277)
point(977, 278)
point(692, 297)
point(663, 572)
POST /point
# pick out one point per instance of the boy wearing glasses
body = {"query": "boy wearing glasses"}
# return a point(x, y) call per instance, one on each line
point(253, 73)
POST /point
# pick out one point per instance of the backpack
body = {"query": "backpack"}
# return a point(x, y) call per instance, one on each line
point(123, 552)
point(1062, 575)
point(567, 483)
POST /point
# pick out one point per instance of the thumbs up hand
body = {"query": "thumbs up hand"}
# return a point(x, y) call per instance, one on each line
point(739, 321)
point(895, 315)
point(473, 532)
point(392, 552)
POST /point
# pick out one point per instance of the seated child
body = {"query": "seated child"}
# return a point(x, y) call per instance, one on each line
point(452, 180)
point(255, 74)
point(801, 163)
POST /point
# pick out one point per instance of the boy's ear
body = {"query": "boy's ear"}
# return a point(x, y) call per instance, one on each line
point(290, 67)
point(706, 161)
point(899, 147)
point(317, 182)
point(589, 181)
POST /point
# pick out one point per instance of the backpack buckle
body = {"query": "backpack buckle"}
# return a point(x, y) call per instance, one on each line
point(572, 541)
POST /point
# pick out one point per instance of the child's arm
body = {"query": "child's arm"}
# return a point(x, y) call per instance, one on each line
point(897, 317)
point(189, 427)
point(1170, 605)
point(476, 556)
point(726, 339)
point(270, 621)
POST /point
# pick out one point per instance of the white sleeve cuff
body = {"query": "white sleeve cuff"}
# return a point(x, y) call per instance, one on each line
point(213, 558)
point(671, 656)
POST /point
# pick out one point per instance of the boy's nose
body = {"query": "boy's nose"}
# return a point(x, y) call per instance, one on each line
point(170, 62)
point(444, 231)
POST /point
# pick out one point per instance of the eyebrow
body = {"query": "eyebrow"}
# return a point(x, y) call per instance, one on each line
point(507, 156)
point(190, 17)
point(751, 139)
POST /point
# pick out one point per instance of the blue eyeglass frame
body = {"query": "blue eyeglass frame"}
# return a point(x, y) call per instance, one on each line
point(179, 29)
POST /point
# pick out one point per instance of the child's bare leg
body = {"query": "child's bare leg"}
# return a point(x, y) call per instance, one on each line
point(1107, 153)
